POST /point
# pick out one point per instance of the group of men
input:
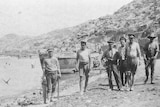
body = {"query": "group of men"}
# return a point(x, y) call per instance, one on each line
point(121, 62)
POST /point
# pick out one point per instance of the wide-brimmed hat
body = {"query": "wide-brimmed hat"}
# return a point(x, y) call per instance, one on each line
point(49, 50)
point(110, 42)
point(131, 35)
point(84, 41)
point(152, 36)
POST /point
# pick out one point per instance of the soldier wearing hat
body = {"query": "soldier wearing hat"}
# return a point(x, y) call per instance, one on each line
point(122, 61)
point(110, 58)
point(151, 50)
point(51, 73)
point(133, 57)
point(84, 65)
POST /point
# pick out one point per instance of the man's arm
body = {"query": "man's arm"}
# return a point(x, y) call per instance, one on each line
point(103, 56)
point(77, 57)
point(58, 67)
point(89, 56)
point(43, 68)
point(157, 50)
point(139, 51)
point(145, 51)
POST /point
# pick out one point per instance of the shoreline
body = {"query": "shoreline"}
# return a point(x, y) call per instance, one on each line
point(70, 87)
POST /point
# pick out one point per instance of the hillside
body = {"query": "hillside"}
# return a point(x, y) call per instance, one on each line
point(140, 16)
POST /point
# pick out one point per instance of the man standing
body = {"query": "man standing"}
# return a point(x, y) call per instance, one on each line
point(133, 56)
point(84, 64)
point(151, 50)
point(51, 72)
point(111, 57)
point(122, 61)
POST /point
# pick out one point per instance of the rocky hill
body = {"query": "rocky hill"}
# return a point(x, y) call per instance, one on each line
point(140, 16)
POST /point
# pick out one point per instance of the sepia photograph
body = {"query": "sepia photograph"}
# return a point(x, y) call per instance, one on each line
point(79, 53)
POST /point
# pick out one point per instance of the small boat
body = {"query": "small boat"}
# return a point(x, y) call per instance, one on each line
point(67, 62)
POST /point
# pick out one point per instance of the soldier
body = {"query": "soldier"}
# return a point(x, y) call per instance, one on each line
point(122, 62)
point(151, 50)
point(84, 64)
point(111, 57)
point(133, 56)
point(51, 73)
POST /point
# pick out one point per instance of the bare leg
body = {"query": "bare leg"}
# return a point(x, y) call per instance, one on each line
point(86, 83)
point(147, 74)
point(81, 85)
point(129, 79)
point(132, 82)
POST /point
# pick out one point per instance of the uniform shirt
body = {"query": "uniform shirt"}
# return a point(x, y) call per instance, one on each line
point(150, 49)
point(51, 64)
point(122, 52)
point(83, 55)
point(133, 50)
point(111, 54)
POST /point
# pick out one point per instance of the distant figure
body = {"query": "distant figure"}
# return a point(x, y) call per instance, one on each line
point(84, 65)
point(133, 56)
point(122, 61)
point(32, 66)
point(110, 58)
point(151, 50)
point(51, 72)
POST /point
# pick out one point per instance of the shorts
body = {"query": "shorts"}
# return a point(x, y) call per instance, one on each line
point(83, 69)
point(132, 64)
point(123, 66)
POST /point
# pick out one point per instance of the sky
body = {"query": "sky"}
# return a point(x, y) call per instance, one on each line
point(36, 17)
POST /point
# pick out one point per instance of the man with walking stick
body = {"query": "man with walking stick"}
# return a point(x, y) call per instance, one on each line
point(151, 50)
point(51, 74)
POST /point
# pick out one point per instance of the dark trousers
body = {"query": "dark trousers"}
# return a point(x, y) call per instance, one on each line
point(113, 68)
point(150, 64)
point(51, 82)
point(122, 69)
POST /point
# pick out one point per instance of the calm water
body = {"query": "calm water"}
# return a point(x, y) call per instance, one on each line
point(22, 76)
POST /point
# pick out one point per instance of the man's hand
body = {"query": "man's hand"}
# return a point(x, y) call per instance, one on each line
point(59, 75)
point(43, 80)
point(89, 67)
point(154, 57)
point(43, 77)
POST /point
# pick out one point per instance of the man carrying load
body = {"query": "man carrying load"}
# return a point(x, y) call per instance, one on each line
point(51, 73)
